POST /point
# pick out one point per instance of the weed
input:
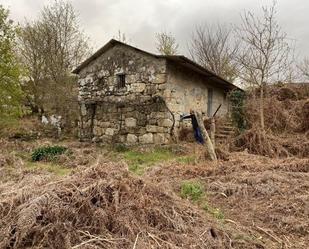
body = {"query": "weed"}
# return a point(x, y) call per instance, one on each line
point(216, 212)
point(191, 190)
point(48, 153)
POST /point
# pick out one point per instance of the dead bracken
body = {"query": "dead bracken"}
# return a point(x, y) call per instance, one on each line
point(103, 207)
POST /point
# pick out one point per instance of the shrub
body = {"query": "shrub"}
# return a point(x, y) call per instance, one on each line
point(121, 148)
point(237, 98)
point(191, 190)
point(47, 153)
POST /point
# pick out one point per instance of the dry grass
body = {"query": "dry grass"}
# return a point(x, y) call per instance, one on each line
point(286, 116)
point(103, 207)
point(268, 196)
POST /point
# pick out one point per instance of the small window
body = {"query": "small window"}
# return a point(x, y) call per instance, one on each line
point(121, 80)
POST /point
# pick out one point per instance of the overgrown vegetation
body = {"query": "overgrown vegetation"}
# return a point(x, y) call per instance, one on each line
point(48, 153)
point(237, 98)
point(191, 190)
point(50, 47)
point(10, 71)
point(286, 123)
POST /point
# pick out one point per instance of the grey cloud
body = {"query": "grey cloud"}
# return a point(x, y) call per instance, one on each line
point(141, 19)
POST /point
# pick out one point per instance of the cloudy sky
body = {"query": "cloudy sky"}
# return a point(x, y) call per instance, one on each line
point(141, 19)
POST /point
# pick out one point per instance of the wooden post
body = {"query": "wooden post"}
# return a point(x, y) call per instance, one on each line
point(213, 131)
point(208, 144)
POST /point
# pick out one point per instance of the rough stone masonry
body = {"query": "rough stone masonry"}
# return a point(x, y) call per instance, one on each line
point(129, 96)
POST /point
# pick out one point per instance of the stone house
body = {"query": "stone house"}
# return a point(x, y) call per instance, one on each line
point(130, 96)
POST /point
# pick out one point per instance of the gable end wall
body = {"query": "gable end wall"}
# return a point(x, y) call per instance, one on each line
point(130, 115)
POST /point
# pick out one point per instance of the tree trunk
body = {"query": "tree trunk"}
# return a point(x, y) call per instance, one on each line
point(208, 144)
point(262, 122)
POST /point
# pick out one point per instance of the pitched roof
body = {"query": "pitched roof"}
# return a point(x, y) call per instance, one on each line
point(178, 59)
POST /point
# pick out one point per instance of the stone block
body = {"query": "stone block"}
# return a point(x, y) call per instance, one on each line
point(152, 121)
point(154, 128)
point(161, 87)
point(105, 124)
point(131, 139)
point(146, 138)
point(165, 122)
point(161, 138)
point(138, 87)
point(130, 122)
point(106, 139)
point(97, 131)
point(142, 130)
point(157, 115)
point(151, 89)
point(109, 132)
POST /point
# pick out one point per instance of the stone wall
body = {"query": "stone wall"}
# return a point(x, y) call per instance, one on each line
point(148, 108)
point(187, 90)
point(144, 123)
point(133, 114)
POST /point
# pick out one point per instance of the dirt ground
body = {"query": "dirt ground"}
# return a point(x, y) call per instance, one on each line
point(109, 197)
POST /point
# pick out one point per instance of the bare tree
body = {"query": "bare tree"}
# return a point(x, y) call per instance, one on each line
point(304, 68)
point(214, 48)
point(64, 44)
point(166, 44)
point(50, 48)
point(264, 56)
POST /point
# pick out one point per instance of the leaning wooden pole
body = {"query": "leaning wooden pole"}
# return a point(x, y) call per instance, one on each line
point(208, 144)
point(213, 131)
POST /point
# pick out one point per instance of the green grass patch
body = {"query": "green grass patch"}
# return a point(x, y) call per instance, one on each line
point(191, 190)
point(48, 153)
point(215, 212)
point(139, 161)
point(49, 167)
point(186, 159)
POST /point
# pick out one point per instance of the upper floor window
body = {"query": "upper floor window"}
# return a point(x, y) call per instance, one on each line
point(121, 80)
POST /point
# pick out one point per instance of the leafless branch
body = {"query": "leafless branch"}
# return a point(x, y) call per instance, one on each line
point(214, 48)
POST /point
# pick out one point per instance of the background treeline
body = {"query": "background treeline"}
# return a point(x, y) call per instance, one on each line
point(36, 60)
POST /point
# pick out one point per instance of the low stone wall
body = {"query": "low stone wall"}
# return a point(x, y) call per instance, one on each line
point(133, 122)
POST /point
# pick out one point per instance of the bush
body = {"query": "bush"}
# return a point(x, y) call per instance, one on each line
point(191, 190)
point(237, 98)
point(47, 153)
